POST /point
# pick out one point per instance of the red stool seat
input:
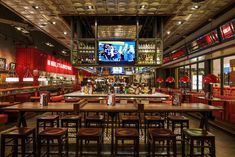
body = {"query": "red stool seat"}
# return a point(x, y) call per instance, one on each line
point(3, 118)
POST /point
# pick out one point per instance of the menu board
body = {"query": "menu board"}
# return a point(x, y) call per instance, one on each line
point(228, 30)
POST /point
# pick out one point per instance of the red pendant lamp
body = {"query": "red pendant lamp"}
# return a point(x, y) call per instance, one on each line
point(160, 79)
point(210, 79)
point(185, 79)
point(170, 79)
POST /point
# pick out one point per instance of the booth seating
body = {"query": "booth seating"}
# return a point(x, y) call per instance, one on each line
point(201, 143)
point(58, 98)
point(19, 138)
point(3, 118)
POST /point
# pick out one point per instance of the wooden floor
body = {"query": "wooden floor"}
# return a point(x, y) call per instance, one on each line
point(225, 143)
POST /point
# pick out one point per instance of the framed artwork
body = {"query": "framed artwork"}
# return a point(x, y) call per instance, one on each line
point(12, 66)
point(2, 64)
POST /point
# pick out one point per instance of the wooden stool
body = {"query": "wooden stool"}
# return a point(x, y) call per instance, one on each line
point(161, 135)
point(198, 139)
point(11, 138)
point(47, 121)
point(46, 139)
point(89, 134)
point(73, 122)
point(149, 121)
point(129, 134)
point(179, 122)
point(127, 121)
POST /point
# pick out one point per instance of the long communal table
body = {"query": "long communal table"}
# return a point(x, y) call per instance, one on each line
point(113, 110)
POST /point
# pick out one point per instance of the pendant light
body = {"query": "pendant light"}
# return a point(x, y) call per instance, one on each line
point(28, 77)
point(12, 77)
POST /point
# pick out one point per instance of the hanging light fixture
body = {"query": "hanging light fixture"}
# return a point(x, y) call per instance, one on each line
point(28, 77)
point(12, 77)
point(170, 79)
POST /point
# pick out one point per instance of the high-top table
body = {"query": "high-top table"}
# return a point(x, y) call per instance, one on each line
point(113, 110)
point(5, 104)
point(118, 96)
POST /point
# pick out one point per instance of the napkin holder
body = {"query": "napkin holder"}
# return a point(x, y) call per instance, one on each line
point(44, 99)
point(176, 99)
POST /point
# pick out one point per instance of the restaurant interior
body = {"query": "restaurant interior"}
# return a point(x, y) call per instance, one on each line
point(117, 78)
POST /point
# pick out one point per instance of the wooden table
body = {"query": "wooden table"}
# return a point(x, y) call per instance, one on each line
point(114, 110)
point(119, 96)
point(5, 104)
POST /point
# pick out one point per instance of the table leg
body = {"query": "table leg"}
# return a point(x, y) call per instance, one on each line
point(21, 119)
point(204, 121)
point(112, 115)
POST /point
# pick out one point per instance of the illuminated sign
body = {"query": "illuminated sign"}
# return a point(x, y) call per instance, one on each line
point(58, 65)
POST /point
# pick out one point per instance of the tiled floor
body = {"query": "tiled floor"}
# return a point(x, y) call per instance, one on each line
point(225, 143)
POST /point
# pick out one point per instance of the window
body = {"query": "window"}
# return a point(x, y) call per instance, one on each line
point(228, 77)
point(194, 77)
point(201, 72)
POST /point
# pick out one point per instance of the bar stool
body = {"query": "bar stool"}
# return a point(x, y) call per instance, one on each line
point(89, 134)
point(166, 141)
point(128, 120)
point(11, 138)
point(47, 121)
point(152, 121)
point(127, 134)
point(178, 122)
point(201, 140)
point(46, 139)
point(71, 122)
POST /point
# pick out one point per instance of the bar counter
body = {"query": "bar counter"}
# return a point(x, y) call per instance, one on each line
point(120, 96)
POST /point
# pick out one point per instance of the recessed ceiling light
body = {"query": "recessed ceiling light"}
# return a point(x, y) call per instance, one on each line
point(18, 28)
point(36, 7)
point(53, 22)
point(49, 44)
point(168, 32)
point(195, 7)
point(179, 22)
point(65, 33)
point(90, 7)
point(142, 6)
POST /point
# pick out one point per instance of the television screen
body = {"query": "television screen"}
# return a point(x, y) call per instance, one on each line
point(116, 51)
point(117, 70)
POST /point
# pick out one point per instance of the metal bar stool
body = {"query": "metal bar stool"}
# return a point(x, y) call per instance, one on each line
point(47, 121)
point(11, 139)
point(166, 141)
point(127, 134)
point(46, 139)
point(152, 122)
point(71, 122)
point(89, 134)
point(201, 143)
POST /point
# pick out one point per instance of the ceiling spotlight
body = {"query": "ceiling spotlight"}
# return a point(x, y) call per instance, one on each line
point(36, 7)
point(64, 52)
point(195, 7)
point(18, 28)
point(65, 33)
point(179, 22)
point(53, 22)
point(49, 44)
point(168, 32)
point(89, 7)
point(142, 6)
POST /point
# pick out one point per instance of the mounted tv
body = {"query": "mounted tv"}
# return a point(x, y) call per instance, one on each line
point(117, 71)
point(116, 52)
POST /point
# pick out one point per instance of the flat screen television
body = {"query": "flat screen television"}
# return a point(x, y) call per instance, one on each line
point(117, 71)
point(116, 52)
